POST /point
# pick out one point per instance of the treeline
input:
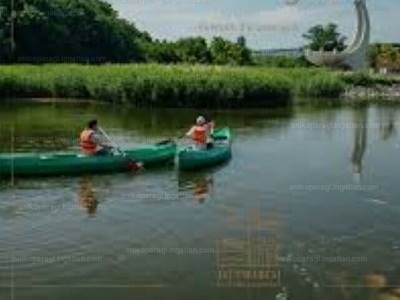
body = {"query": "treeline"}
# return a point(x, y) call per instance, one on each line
point(91, 31)
point(196, 50)
point(281, 61)
point(385, 56)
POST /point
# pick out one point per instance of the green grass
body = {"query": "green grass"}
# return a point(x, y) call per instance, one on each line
point(152, 85)
point(363, 79)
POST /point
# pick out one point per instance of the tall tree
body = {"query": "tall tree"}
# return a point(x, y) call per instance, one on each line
point(384, 56)
point(373, 55)
point(244, 52)
point(326, 38)
point(221, 51)
point(387, 56)
point(193, 50)
point(226, 52)
point(241, 41)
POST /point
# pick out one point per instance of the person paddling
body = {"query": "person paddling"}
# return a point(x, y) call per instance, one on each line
point(92, 142)
point(201, 133)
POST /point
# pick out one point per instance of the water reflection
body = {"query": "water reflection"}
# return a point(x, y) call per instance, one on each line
point(384, 287)
point(360, 139)
point(198, 184)
point(386, 120)
point(387, 116)
point(372, 286)
point(86, 197)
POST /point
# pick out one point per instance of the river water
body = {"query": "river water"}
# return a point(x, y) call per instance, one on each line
point(307, 208)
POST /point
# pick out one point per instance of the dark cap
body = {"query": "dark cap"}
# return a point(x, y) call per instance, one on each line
point(92, 123)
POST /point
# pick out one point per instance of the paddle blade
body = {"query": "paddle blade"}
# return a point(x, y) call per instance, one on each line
point(134, 166)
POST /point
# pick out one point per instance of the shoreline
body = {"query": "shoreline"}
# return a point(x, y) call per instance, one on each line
point(351, 95)
point(377, 93)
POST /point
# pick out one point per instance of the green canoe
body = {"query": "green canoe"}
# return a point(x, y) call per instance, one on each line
point(191, 158)
point(74, 163)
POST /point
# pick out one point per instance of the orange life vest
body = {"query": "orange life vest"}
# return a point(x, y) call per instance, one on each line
point(200, 134)
point(87, 145)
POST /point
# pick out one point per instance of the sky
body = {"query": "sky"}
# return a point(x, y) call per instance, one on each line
point(266, 24)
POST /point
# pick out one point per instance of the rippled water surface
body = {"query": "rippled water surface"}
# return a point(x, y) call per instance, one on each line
point(307, 208)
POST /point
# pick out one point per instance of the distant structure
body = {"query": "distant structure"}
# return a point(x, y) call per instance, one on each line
point(355, 55)
point(294, 52)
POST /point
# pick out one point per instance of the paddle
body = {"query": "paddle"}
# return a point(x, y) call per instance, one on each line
point(165, 142)
point(132, 165)
point(170, 141)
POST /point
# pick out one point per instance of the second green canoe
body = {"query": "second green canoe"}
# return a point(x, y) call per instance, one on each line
point(191, 158)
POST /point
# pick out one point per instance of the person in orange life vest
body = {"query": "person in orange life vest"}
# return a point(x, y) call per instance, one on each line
point(92, 142)
point(201, 133)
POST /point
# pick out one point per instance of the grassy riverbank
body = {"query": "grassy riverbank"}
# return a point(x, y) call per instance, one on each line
point(149, 85)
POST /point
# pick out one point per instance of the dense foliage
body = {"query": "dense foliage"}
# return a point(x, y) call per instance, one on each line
point(90, 31)
point(281, 61)
point(325, 38)
point(385, 56)
point(196, 50)
point(65, 30)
